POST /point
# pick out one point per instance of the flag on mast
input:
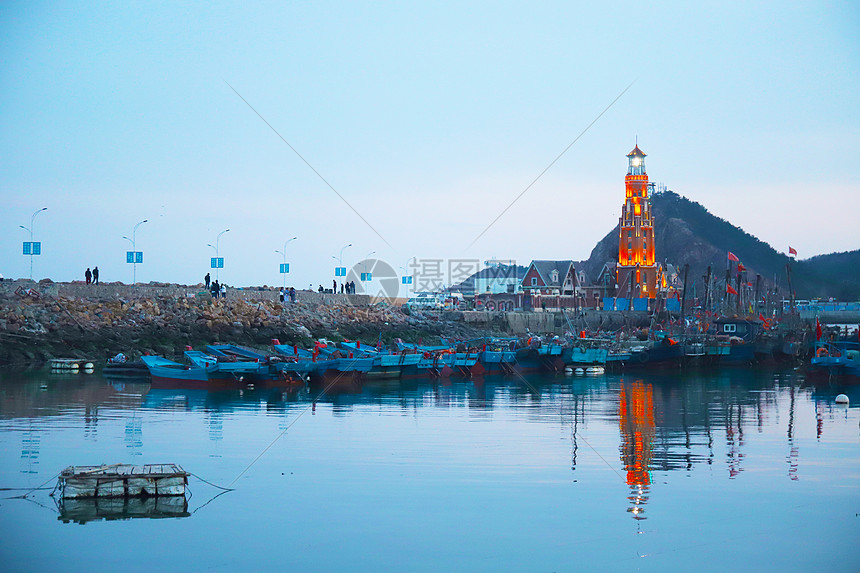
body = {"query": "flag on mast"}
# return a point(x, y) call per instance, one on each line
point(730, 290)
point(732, 257)
point(791, 251)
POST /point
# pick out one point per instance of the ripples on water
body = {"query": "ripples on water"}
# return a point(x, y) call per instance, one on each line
point(703, 471)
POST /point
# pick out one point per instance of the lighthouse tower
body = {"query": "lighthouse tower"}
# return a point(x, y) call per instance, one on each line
point(636, 271)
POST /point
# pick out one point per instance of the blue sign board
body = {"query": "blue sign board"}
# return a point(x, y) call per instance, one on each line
point(406, 280)
point(340, 271)
point(32, 248)
point(217, 262)
point(285, 268)
point(366, 277)
point(134, 256)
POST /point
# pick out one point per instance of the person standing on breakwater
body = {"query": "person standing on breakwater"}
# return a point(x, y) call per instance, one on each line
point(215, 289)
point(341, 288)
point(206, 280)
point(320, 289)
point(333, 287)
point(88, 275)
point(95, 275)
point(292, 294)
point(223, 291)
point(281, 294)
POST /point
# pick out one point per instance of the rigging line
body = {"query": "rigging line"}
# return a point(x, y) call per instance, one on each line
point(323, 179)
point(38, 487)
point(481, 234)
point(296, 419)
point(561, 415)
point(210, 483)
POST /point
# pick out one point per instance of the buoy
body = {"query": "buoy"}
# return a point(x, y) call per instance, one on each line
point(842, 399)
point(88, 365)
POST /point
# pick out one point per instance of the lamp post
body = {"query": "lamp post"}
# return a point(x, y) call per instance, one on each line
point(284, 253)
point(365, 261)
point(216, 246)
point(30, 230)
point(133, 241)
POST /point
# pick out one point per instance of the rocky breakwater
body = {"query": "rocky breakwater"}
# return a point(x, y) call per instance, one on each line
point(33, 330)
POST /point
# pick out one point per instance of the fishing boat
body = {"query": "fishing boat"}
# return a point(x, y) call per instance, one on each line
point(323, 365)
point(838, 361)
point(585, 352)
point(386, 364)
point(206, 371)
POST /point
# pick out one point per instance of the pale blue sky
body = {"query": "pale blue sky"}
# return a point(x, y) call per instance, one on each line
point(429, 118)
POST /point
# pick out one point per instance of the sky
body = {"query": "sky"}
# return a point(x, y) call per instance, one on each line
point(405, 129)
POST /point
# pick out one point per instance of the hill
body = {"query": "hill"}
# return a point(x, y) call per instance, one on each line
point(686, 233)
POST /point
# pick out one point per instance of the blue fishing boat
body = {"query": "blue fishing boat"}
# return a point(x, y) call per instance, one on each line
point(324, 365)
point(585, 352)
point(836, 361)
point(204, 371)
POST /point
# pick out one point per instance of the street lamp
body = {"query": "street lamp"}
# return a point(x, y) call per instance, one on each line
point(133, 241)
point(217, 240)
point(365, 261)
point(30, 230)
point(284, 253)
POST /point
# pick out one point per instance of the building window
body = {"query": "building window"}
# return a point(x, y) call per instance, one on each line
point(730, 328)
point(553, 277)
point(534, 281)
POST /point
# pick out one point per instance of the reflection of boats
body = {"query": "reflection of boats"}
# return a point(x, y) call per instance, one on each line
point(84, 510)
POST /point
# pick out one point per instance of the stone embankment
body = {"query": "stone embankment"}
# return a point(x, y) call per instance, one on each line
point(72, 320)
point(75, 320)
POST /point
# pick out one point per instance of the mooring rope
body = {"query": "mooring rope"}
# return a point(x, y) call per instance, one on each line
point(31, 490)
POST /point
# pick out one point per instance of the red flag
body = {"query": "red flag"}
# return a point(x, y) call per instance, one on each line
point(732, 257)
point(741, 267)
point(730, 290)
point(791, 251)
point(817, 330)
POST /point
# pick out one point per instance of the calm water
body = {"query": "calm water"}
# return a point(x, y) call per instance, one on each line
point(746, 471)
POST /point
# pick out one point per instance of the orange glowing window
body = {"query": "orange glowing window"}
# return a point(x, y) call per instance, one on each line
point(637, 209)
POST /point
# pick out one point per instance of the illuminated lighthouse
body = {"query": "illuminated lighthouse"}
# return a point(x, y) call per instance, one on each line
point(636, 272)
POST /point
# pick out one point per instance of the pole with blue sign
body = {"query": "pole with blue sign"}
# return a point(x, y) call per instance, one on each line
point(285, 267)
point(32, 248)
point(217, 262)
point(366, 277)
point(134, 256)
point(340, 270)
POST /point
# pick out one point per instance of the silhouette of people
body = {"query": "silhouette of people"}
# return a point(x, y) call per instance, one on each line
point(334, 287)
point(292, 294)
point(95, 275)
point(341, 288)
point(206, 280)
point(88, 275)
point(216, 289)
point(320, 289)
point(281, 295)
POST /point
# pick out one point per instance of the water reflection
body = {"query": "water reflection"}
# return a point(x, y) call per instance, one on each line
point(636, 422)
point(85, 510)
